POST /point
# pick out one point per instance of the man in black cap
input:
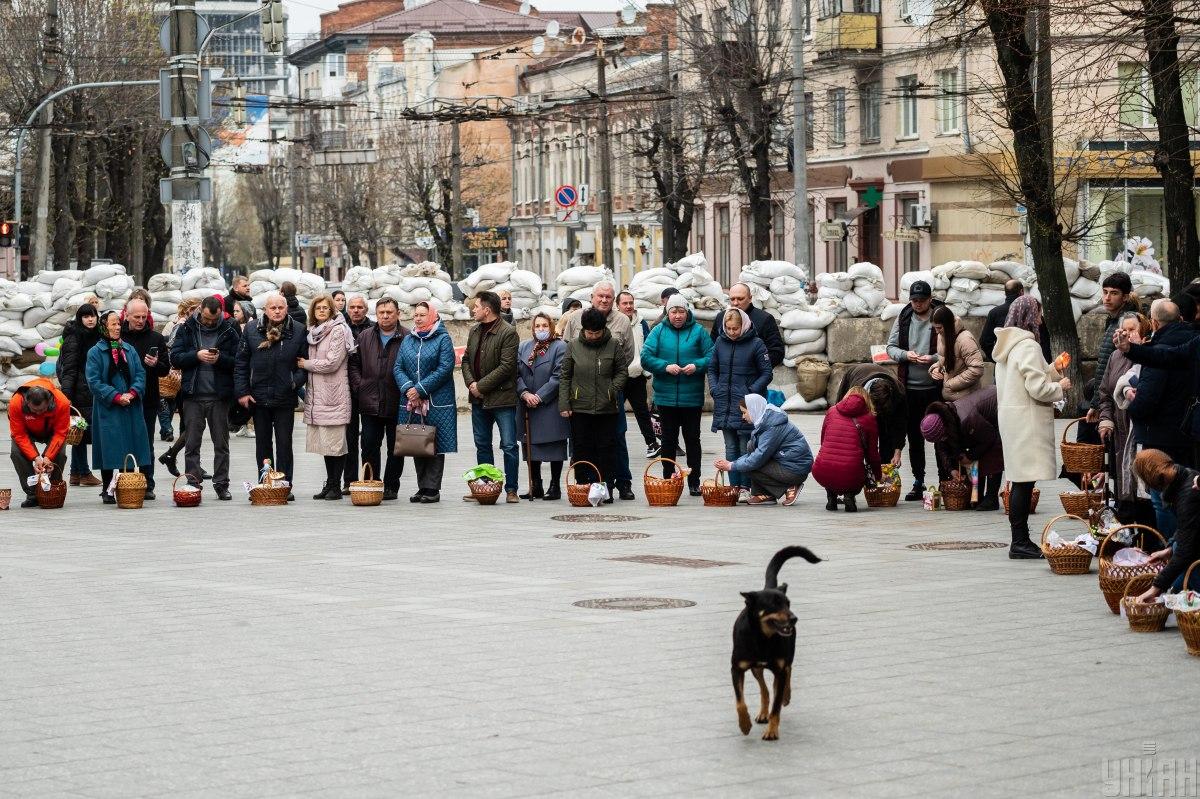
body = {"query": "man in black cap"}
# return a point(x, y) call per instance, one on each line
point(913, 346)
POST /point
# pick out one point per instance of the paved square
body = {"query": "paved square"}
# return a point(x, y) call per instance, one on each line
point(437, 650)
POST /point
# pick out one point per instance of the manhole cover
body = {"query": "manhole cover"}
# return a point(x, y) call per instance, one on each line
point(667, 560)
point(601, 535)
point(634, 603)
point(956, 545)
point(589, 518)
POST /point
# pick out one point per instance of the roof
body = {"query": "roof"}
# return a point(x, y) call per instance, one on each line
point(451, 17)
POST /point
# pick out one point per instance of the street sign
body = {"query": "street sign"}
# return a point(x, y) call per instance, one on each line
point(902, 234)
point(585, 194)
point(567, 213)
point(832, 231)
point(566, 196)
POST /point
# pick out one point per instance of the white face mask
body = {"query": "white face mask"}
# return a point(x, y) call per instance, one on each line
point(541, 335)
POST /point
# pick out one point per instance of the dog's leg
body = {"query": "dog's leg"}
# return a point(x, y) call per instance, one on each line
point(739, 679)
point(763, 694)
point(787, 686)
point(772, 733)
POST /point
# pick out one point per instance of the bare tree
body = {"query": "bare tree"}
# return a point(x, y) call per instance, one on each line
point(262, 192)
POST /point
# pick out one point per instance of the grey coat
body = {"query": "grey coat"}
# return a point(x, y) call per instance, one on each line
point(545, 424)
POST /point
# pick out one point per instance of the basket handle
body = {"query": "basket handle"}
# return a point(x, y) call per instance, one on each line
point(678, 469)
point(367, 470)
point(1065, 429)
point(1143, 527)
point(571, 471)
point(720, 478)
point(175, 482)
point(129, 457)
point(1147, 579)
point(1046, 529)
point(76, 410)
point(1187, 575)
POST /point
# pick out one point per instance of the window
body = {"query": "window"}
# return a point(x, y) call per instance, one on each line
point(907, 109)
point(1136, 95)
point(836, 261)
point(778, 227)
point(698, 228)
point(723, 254)
point(947, 101)
point(335, 64)
point(810, 120)
point(868, 111)
point(910, 251)
point(837, 117)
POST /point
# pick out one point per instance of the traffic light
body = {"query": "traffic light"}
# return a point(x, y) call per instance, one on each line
point(23, 238)
point(7, 229)
point(271, 15)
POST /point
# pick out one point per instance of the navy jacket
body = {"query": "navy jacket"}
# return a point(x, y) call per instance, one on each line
point(1163, 393)
point(187, 346)
point(1183, 356)
point(767, 328)
point(270, 374)
point(776, 439)
point(735, 369)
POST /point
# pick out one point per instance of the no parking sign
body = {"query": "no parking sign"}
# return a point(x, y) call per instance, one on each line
point(566, 196)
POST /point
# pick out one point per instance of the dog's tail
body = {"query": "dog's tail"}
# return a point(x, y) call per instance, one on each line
point(781, 557)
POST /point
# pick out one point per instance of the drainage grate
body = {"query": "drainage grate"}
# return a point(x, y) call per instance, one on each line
point(589, 518)
point(956, 545)
point(601, 535)
point(667, 560)
point(634, 603)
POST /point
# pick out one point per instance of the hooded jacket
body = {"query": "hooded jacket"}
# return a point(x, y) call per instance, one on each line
point(667, 345)
point(892, 419)
point(1026, 390)
point(270, 374)
point(592, 375)
point(777, 440)
point(72, 362)
point(736, 368)
point(840, 465)
point(186, 348)
point(50, 426)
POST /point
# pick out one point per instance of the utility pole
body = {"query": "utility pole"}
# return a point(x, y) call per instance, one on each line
point(800, 231)
point(606, 200)
point(50, 75)
point(186, 143)
point(665, 125)
point(456, 208)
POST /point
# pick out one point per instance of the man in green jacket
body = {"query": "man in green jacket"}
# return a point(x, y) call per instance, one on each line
point(489, 369)
point(589, 394)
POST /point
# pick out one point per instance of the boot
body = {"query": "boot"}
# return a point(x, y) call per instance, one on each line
point(1024, 550)
point(536, 491)
point(555, 493)
point(851, 505)
point(325, 490)
point(831, 501)
point(917, 494)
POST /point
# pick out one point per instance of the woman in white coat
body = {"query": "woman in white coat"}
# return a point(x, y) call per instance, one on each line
point(1026, 389)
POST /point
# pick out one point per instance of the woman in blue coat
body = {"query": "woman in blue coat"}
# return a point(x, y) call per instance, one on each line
point(779, 460)
point(539, 362)
point(739, 366)
point(425, 374)
point(117, 380)
point(677, 354)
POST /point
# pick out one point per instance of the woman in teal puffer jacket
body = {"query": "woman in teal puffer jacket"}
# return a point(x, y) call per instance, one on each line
point(677, 354)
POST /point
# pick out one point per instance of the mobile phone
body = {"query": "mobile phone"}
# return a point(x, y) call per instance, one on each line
point(153, 352)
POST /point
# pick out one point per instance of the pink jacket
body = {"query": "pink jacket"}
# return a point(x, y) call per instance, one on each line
point(327, 401)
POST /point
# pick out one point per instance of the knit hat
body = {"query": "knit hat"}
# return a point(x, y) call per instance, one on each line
point(677, 301)
point(933, 429)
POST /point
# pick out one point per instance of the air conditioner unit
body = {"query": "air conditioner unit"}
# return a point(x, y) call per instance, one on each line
point(919, 216)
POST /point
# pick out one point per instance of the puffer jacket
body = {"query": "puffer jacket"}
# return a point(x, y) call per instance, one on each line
point(372, 373)
point(186, 347)
point(775, 439)
point(839, 466)
point(968, 364)
point(270, 374)
point(592, 375)
point(667, 345)
point(735, 369)
point(327, 400)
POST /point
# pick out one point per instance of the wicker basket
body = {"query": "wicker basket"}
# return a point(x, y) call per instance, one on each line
point(131, 486)
point(1071, 559)
point(577, 493)
point(367, 492)
point(1080, 458)
point(1143, 617)
point(53, 497)
point(1189, 620)
point(882, 495)
point(75, 435)
point(1112, 577)
point(1037, 494)
point(956, 494)
point(485, 492)
point(718, 494)
point(5, 498)
point(169, 384)
point(185, 499)
point(663, 492)
point(1082, 503)
point(270, 492)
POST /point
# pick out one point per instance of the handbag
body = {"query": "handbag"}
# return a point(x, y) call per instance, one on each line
point(415, 440)
point(862, 440)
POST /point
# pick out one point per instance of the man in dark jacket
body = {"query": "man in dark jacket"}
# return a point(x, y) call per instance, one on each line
point(373, 384)
point(1115, 289)
point(288, 290)
point(764, 324)
point(156, 357)
point(997, 317)
point(913, 346)
point(1163, 393)
point(489, 369)
point(239, 291)
point(205, 351)
point(359, 321)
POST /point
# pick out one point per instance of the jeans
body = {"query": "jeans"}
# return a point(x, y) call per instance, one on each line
point(1164, 518)
point(166, 410)
point(737, 444)
point(505, 419)
point(274, 423)
point(621, 474)
point(635, 395)
point(687, 421)
point(213, 413)
point(24, 466)
point(375, 431)
point(79, 460)
point(918, 401)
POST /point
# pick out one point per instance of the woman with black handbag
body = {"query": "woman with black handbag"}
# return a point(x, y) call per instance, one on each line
point(425, 375)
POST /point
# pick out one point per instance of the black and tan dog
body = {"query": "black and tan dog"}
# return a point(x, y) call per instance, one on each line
point(764, 637)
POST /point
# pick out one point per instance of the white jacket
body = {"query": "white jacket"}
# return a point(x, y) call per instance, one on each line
point(1026, 390)
point(635, 366)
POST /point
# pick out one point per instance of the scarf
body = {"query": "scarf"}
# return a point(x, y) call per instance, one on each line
point(540, 348)
point(432, 325)
point(1023, 313)
point(318, 333)
point(757, 407)
point(116, 349)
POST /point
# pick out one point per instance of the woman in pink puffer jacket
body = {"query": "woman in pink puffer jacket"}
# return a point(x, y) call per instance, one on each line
point(327, 401)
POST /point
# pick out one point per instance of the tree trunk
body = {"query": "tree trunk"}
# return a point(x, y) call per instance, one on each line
point(760, 207)
point(1006, 20)
point(1172, 158)
point(64, 151)
point(85, 232)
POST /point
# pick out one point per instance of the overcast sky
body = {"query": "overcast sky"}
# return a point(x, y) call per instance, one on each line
point(304, 15)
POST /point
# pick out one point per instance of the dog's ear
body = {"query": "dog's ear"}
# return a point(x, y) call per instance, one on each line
point(783, 588)
point(749, 596)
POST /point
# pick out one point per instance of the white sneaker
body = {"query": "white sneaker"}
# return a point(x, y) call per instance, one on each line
point(743, 496)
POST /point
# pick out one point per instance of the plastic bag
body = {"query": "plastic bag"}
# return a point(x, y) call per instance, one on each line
point(1130, 556)
point(597, 493)
point(483, 471)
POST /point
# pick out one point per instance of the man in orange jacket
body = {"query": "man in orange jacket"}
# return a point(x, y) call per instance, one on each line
point(38, 414)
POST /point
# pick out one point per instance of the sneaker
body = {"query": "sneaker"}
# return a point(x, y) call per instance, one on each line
point(511, 498)
point(916, 495)
point(790, 496)
point(652, 450)
point(429, 499)
point(90, 480)
point(417, 497)
point(743, 496)
point(74, 480)
point(761, 500)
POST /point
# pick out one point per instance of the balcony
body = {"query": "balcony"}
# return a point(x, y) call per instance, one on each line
point(848, 37)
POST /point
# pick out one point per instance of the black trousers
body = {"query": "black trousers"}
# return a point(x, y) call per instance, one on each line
point(277, 424)
point(375, 430)
point(1020, 497)
point(686, 421)
point(353, 430)
point(918, 401)
point(592, 437)
point(635, 395)
point(151, 415)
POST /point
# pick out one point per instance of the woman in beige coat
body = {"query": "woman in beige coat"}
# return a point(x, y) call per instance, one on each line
point(960, 361)
point(1026, 389)
point(327, 400)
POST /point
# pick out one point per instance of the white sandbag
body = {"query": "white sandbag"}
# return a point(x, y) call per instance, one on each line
point(856, 305)
point(310, 285)
point(198, 294)
point(800, 335)
point(524, 279)
point(866, 271)
point(1072, 270)
point(10, 347)
point(584, 295)
point(692, 278)
point(831, 293)
point(113, 286)
point(945, 270)
point(262, 276)
point(972, 270)
point(93, 275)
point(204, 277)
point(35, 316)
point(961, 297)
point(786, 284)
point(807, 318)
point(838, 280)
point(163, 308)
point(996, 276)
point(164, 281)
point(964, 284)
point(806, 348)
point(872, 296)
point(260, 288)
point(166, 296)
point(49, 331)
point(891, 310)
point(908, 278)
point(1084, 288)
point(578, 276)
point(64, 287)
point(19, 303)
point(990, 295)
point(797, 403)
point(958, 308)
point(358, 278)
point(383, 276)
point(28, 338)
point(774, 269)
point(48, 277)
point(789, 301)
point(657, 273)
point(692, 261)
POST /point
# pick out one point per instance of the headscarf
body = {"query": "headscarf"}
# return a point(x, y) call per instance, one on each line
point(319, 332)
point(432, 325)
point(247, 310)
point(116, 347)
point(1024, 313)
point(746, 323)
point(757, 407)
